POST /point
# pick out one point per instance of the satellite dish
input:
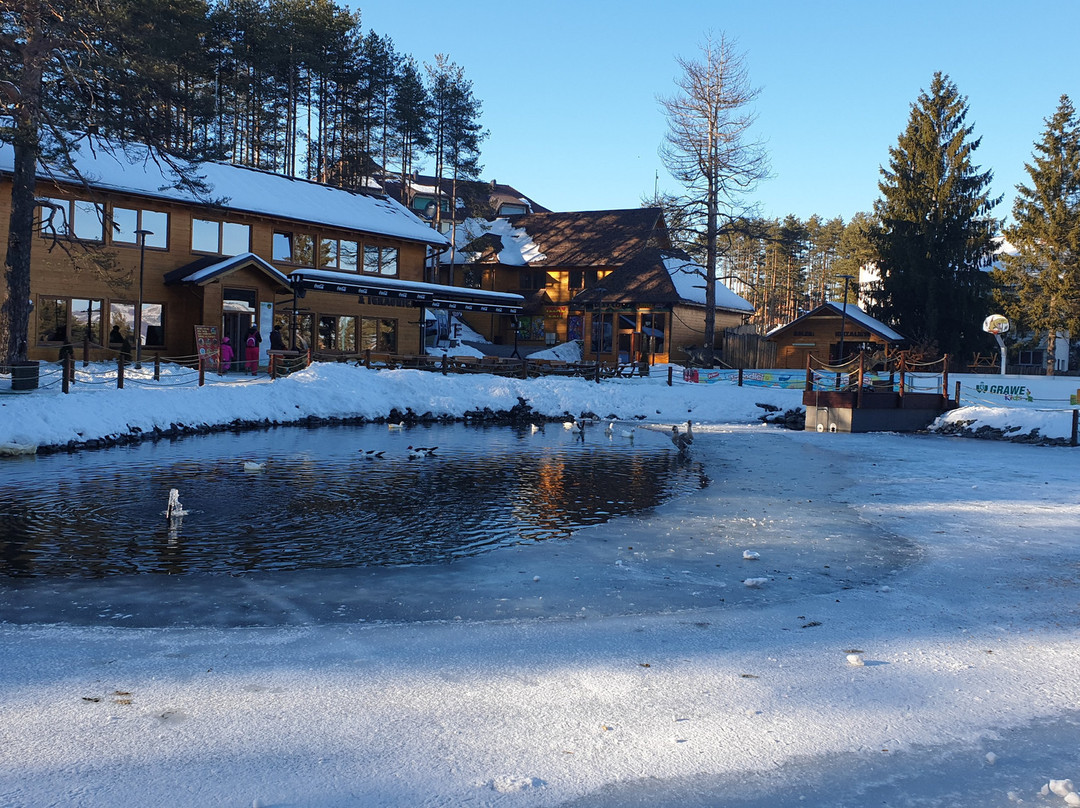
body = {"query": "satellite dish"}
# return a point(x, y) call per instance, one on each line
point(996, 324)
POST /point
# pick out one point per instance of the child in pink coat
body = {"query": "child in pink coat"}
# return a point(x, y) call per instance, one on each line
point(226, 355)
point(251, 354)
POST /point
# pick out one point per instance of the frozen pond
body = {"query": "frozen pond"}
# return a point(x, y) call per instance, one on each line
point(329, 497)
point(500, 523)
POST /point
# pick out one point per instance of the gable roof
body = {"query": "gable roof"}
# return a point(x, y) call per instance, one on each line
point(852, 312)
point(135, 169)
point(660, 277)
point(203, 270)
point(598, 238)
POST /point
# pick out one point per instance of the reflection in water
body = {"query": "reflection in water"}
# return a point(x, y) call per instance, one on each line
point(318, 502)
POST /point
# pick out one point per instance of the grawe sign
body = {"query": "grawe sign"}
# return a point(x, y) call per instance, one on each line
point(1010, 392)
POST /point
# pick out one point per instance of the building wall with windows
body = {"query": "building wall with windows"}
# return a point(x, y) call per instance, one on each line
point(88, 255)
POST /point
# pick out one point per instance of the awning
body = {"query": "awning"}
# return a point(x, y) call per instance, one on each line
point(415, 293)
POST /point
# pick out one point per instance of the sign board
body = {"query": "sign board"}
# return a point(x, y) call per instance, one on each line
point(208, 345)
point(996, 324)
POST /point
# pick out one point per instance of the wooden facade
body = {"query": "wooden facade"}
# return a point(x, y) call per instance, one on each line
point(212, 265)
point(818, 334)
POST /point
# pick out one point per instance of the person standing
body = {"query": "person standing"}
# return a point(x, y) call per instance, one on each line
point(251, 351)
point(277, 342)
point(226, 356)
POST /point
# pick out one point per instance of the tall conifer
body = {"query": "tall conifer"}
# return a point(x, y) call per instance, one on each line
point(935, 230)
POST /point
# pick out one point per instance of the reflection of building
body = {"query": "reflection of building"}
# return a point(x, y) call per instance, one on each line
point(818, 334)
point(354, 261)
point(608, 278)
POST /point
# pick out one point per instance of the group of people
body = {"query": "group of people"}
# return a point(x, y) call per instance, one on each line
point(251, 349)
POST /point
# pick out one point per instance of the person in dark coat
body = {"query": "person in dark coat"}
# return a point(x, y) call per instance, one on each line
point(67, 350)
point(277, 342)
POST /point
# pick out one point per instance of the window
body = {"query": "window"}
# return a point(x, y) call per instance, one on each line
point(601, 333)
point(70, 319)
point(338, 254)
point(294, 248)
point(220, 238)
point(380, 260)
point(378, 334)
point(472, 277)
point(125, 221)
point(512, 209)
point(652, 329)
point(153, 322)
point(337, 333)
point(533, 279)
point(73, 218)
point(576, 280)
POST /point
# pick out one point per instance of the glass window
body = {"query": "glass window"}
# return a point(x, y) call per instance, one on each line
point(52, 317)
point(371, 258)
point(55, 217)
point(125, 221)
point(235, 238)
point(294, 248)
point(89, 220)
point(205, 236)
point(74, 319)
point(388, 261)
point(601, 333)
point(328, 252)
point(282, 248)
point(348, 256)
point(378, 334)
point(652, 327)
point(86, 316)
point(509, 209)
point(153, 322)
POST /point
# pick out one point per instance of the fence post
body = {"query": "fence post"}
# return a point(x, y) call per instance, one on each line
point(809, 376)
point(120, 372)
point(1075, 427)
point(367, 358)
point(740, 377)
point(957, 399)
point(445, 363)
point(597, 372)
point(945, 377)
point(86, 349)
point(65, 383)
point(202, 372)
point(157, 367)
point(273, 366)
point(669, 373)
point(524, 368)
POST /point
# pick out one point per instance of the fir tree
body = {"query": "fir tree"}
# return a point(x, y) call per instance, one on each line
point(1041, 282)
point(934, 233)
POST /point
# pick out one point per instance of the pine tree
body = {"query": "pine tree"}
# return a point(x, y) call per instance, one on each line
point(935, 232)
point(1042, 281)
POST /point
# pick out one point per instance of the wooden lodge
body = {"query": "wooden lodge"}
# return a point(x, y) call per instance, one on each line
point(834, 331)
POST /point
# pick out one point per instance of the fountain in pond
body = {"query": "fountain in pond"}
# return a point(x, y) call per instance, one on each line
point(174, 510)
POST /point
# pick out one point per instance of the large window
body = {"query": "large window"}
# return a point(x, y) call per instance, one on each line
point(153, 322)
point(126, 221)
point(337, 333)
point(294, 248)
point(338, 254)
point(601, 333)
point(220, 238)
point(652, 329)
point(378, 334)
point(532, 279)
point(73, 218)
point(380, 260)
point(70, 319)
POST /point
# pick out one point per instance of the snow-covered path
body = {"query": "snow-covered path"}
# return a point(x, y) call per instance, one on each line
point(969, 647)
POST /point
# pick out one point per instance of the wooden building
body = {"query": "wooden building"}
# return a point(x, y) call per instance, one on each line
point(340, 271)
point(818, 333)
point(607, 278)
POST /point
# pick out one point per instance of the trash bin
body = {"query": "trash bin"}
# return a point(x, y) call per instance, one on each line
point(24, 375)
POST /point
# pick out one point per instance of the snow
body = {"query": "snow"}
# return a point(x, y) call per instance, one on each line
point(132, 170)
point(689, 280)
point(947, 677)
point(518, 248)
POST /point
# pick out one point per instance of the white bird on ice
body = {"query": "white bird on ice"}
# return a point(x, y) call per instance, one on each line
point(754, 583)
point(856, 660)
point(750, 555)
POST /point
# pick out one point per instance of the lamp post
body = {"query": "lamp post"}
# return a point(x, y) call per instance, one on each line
point(843, 316)
point(142, 234)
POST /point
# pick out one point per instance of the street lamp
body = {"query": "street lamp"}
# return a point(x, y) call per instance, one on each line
point(142, 234)
point(843, 316)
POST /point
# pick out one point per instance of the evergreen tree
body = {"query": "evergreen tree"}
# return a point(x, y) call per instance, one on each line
point(935, 231)
point(1042, 281)
point(409, 130)
point(456, 132)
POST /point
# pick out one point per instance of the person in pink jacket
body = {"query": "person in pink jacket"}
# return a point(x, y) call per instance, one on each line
point(226, 356)
point(251, 352)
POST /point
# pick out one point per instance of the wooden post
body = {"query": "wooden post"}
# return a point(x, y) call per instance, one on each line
point(809, 375)
point(445, 363)
point(85, 349)
point(69, 367)
point(120, 372)
point(202, 372)
point(740, 377)
point(273, 366)
point(65, 383)
point(367, 358)
point(524, 368)
point(859, 378)
point(157, 367)
point(1075, 427)
point(597, 372)
point(670, 370)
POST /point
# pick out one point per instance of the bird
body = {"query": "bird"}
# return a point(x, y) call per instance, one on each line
point(610, 428)
point(400, 425)
point(417, 452)
point(251, 465)
point(571, 424)
point(371, 454)
point(750, 555)
point(690, 431)
point(681, 441)
point(578, 426)
point(534, 428)
point(627, 433)
point(754, 583)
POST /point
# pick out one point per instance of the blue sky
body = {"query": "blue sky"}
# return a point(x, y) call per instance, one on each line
point(569, 89)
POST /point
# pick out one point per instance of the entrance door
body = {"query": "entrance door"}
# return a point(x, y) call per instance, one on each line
point(238, 315)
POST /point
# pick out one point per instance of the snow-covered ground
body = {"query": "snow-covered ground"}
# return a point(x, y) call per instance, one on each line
point(946, 677)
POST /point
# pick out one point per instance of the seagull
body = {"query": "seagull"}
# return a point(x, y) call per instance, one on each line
point(251, 465)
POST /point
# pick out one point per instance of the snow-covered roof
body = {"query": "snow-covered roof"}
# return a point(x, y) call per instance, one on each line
point(132, 169)
point(853, 313)
point(689, 280)
point(203, 273)
point(518, 248)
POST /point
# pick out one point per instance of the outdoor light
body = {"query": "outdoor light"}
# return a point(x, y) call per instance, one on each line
point(142, 234)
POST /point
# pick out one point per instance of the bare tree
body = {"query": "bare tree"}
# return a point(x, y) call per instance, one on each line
point(708, 150)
